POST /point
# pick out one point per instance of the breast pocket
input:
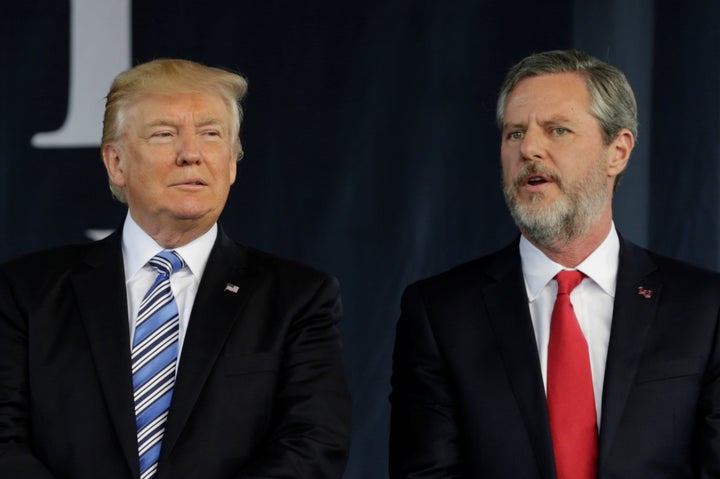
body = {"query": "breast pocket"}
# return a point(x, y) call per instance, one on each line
point(669, 369)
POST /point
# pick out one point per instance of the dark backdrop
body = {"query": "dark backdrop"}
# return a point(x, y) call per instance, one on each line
point(371, 149)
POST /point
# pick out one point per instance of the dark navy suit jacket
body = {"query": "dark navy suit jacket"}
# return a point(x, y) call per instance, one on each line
point(260, 388)
point(468, 399)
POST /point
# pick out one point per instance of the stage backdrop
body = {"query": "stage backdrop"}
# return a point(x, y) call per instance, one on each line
point(371, 148)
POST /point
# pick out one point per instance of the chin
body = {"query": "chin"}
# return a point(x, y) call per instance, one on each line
point(535, 201)
point(191, 211)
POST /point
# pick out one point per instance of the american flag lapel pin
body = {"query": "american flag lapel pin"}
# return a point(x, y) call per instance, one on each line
point(232, 288)
point(645, 293)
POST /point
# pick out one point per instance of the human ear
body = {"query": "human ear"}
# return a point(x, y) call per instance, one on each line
point(114, 164)
point(620, 150)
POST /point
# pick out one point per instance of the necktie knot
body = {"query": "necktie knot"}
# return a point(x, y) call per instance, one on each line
point(167, 262)
point(568, 280)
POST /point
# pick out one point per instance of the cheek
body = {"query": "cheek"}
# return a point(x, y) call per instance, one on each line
point(143, 175)
point(509, 169)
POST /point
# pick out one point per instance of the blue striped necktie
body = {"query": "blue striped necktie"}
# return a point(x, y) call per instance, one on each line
point(154, 358)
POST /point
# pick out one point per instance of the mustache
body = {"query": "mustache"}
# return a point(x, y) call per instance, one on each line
point(534, 168)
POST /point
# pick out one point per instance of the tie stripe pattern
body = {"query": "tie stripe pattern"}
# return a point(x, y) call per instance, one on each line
point(154, 358)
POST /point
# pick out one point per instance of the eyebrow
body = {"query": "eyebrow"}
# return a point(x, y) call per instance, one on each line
point(204, 118)
point(161, 122)
point(555, 120)
point(205, 121)
point(551, 121)
point(513, 126)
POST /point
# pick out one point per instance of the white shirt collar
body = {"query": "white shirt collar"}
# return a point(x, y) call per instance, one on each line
point(601, 266)
point(138, 247)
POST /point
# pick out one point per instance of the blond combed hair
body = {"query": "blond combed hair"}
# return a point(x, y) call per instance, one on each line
point(171, 76)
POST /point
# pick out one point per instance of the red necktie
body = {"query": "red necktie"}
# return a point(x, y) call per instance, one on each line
point(570, 398)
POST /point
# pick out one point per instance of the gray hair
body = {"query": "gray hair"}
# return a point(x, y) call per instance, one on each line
point(612, 100)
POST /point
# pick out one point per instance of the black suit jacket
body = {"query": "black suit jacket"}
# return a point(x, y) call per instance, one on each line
point(260, 388)
point(468, 399)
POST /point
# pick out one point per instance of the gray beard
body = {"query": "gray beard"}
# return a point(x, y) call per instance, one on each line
point(567, 218)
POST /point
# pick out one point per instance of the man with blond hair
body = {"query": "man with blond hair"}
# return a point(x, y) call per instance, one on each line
point(167, 350)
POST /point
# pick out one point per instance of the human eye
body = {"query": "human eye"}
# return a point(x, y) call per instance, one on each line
point(211, 134)
point(160, 135)
point(559, 131)
point(515, 135)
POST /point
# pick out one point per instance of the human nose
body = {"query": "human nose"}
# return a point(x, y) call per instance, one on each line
point(532, 145)
point(189, 150)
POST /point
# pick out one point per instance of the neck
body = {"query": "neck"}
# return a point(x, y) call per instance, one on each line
point(175, 239)
point(176, 233)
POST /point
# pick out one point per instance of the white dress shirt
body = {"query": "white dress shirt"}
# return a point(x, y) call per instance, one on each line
point(592, 301)
point(138, 247)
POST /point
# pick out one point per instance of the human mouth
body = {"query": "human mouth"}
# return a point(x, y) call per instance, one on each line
point(533, 178)
point(191, 182)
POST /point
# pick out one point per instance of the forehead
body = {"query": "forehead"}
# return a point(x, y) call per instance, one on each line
point(179, 106)
point(557, 93)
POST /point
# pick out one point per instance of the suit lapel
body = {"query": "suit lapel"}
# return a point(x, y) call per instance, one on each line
point(636, 301)
point(224, 290)
point(101, 298)
point(507, 304)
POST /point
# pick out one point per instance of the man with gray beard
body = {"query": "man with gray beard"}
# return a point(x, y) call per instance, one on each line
point(571, 353)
